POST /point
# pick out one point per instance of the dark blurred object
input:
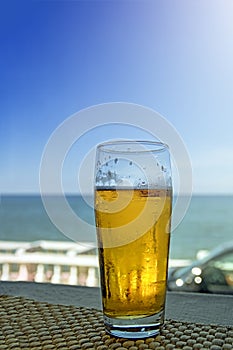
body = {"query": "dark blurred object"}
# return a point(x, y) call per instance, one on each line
point(211, 274)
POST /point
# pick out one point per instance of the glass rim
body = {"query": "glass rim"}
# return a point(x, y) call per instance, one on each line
point(153, 146)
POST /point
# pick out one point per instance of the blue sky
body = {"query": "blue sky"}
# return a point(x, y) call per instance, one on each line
point(174, 56)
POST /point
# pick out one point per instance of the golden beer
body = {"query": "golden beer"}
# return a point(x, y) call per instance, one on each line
point(133, 231)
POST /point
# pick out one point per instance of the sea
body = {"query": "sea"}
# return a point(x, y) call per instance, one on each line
point(207, 223)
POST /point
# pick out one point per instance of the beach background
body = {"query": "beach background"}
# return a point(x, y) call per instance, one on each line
point(59, 58)
point(207, 223)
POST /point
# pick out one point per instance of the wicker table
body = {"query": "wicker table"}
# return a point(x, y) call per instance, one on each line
point(31, 322)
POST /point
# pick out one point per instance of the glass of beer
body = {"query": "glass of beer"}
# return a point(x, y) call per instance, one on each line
point(133, 203)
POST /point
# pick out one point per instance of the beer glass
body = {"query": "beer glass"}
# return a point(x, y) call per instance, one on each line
point(133, 201)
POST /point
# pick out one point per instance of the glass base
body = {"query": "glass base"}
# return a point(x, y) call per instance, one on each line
point(134, 328)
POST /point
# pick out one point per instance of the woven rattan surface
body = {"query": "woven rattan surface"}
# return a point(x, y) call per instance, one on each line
point(29, 324)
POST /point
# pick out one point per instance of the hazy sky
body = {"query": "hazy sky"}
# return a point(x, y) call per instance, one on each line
point(58, 57)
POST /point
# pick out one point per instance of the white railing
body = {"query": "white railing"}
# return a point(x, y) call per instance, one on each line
point(54, 262)
point(49, 261)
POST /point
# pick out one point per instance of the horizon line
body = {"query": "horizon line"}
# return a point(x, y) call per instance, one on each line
point(73, 193)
